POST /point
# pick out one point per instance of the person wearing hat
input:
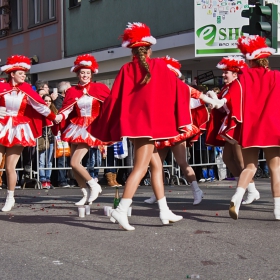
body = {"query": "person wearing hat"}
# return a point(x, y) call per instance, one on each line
point(260, 118)
point(178, 143)
point(224, 124)
point(80, 108)
point(22, 116)
point(146, 104)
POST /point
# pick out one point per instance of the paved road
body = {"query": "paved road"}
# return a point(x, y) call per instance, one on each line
point(43, 237)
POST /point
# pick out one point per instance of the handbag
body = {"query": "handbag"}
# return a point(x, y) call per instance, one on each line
point(43, 144)
point(62, 148)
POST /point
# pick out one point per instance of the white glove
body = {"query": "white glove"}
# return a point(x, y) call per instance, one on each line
point(212, 94)
point(220, 103)
point(3, 112)
point(213, 103)
point(58, 118)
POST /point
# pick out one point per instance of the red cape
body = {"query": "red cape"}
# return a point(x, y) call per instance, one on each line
point(261, 114)
point(37, 121)
point(156, 110)
point(73, 94)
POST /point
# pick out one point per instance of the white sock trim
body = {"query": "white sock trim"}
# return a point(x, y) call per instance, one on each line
point(251, 187)
point(162, 204)
point(240, 191)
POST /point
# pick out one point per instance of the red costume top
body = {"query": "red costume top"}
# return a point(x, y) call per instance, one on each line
point(79, 109)
point(224, 123)
point(261, 114)
point(200, 115)
point(156, 110)
point(26, 112)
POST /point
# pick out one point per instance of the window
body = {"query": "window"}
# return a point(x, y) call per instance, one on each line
point(37, 11)
point(16, 15)
point(51, 9)
point(41, 11)
point(74, 3)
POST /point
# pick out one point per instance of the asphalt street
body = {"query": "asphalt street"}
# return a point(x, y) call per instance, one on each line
point(43, 237)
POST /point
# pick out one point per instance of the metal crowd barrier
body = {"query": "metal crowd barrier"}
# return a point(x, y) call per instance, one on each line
point(199, 156)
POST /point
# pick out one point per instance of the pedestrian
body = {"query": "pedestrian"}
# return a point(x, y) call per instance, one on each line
point(79, 109)
point(22, 114)
point(146, 104)
point(260, 119)
point(223, 121)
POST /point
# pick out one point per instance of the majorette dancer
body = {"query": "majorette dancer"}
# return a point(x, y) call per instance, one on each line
point(260, 119)
point(146, 104)
point(80, 108)
point(23, 113)
point(223, 126)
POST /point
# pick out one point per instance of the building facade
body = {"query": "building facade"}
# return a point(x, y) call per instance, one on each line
point(56, 31)
point(31, 28)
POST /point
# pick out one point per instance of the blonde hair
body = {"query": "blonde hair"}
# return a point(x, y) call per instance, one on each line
point(261, 62)
point(141, 52)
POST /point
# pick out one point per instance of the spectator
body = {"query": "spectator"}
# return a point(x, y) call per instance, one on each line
point(62, 162)
point(28, 154)
point(46, 156)
point(41, 92)
point(40, 84)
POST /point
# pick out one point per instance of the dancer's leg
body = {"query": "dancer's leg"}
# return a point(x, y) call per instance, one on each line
point(81, 174)
point(143, 151)
point(250, 157)
point(252, 192)
point(272, 156)
point(156, 175)
point(180, 154)
point(165, 215)
point(12, 157)
point(231, 152)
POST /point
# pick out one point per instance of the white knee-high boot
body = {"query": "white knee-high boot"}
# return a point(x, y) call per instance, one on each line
point(84, 198)
point(10, 201)
point(120, 214)
point(197, 193)
point(253, 194)
point(165, 214)
point(277, 208)
point(95, 190)
point(236, 202)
